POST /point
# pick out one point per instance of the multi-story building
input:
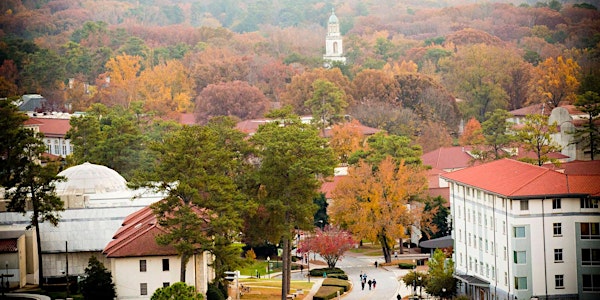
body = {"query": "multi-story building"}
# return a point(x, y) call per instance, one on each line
point(525, 232)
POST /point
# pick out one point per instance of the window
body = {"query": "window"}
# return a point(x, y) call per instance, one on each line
point(591, 282)
point(479, 218)
point(559, 281)
point(524, 205)
point(520, 257)
point(558, 255)
point(476, 265)
point(460, 235)
point(142, 265)
point(486, 246)
point(469, 239)
point(521, 283)
point(556, 203)
point(165, 263)
point(557, 229)
point(480, 243)
point(504, 252)
point(590, 257)
point(492, 247)
point(468, 215)
point(503, 227)
point(505, 278)
point(590, 231)
point(493, 272)
point(519, 231)
point(589, 203)
point(143, 289)
point(166, 284)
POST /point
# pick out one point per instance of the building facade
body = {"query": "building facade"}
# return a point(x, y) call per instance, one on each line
point(525, 232)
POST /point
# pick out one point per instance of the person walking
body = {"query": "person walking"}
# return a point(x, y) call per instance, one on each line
point(374, 283)
point(362, 282)
point(369, 283)
point(376, 264)
point(399, 297)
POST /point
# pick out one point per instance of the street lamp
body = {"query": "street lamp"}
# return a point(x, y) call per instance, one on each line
point(443, 293)
point(269, 266)
point(420, 285)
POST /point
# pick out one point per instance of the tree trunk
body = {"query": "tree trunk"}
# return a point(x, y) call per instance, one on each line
point(286, 268)
point(184, 259)
point(36, 225)
point(385, 247)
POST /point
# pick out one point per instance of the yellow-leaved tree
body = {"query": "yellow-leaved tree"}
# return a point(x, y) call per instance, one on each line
point(556, 81)
point(373, 203)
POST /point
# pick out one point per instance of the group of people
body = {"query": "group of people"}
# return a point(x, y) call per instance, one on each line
point(364, 281)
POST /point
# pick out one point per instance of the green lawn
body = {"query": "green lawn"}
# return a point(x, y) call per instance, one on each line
point(260, 266)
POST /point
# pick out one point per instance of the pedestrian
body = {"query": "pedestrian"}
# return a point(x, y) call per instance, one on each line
point(301, 268)
point(362, 283)
point(369, 283)
point(374, 283)
point(399, 297)
point(375, 264)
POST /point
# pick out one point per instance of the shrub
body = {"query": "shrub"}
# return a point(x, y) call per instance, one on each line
point(406, 266)
point(338, 276)
point(327, 292)
point(337, 282)
point(214, 293)
point(329, 271)
point(250, 255)
point(98, 281)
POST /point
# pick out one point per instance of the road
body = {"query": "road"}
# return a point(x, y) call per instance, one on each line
point(388, 284)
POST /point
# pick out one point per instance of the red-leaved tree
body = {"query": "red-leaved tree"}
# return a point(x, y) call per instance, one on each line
point(330, 242)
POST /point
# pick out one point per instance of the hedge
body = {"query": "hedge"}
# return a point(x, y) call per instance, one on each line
point(337, 282)
point(328, 292)
point(338, 276)
point(319, 272)
point(406, 266)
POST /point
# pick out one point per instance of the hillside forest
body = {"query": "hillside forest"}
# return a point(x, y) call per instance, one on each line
point(414, 68)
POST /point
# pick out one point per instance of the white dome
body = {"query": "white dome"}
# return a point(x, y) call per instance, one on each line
point(90, 179)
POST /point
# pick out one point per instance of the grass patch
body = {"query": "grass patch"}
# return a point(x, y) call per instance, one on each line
point(271, 288)
point(260, 266)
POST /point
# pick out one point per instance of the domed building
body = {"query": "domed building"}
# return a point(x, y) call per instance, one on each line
point(89, 178)
point(96, 201)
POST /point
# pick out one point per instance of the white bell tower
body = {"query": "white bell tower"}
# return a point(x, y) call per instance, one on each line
point(333, 41)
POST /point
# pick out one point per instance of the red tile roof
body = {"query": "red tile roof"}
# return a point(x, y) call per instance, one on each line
point(514, 179)
point(534, 109)
point(137, 237)
point(448, 158)
point(577, 167)
point(52, 127)
point(328, 186)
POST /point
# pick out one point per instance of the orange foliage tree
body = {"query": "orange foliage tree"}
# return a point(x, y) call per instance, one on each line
point(373, 203)
point(472, 134)
point(166, 88)
point(121, 88)
point(345, 139)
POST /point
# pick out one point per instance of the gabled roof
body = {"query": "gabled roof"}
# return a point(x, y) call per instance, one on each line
point(448, 158)
point(514, 179)
point(534, 109)
point(137, 237)
point(328, 186)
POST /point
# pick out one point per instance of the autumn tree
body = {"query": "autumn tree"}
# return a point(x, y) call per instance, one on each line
point(300, 89)
point(196, 166)
point(326, 104)
point(236, 98)
point(375, 86)
point(373, 204)
point(482, 76)
point(556, 81)
point(166, 89)
point(120, 86)
point(536, 136)
point(29, 184)
point(441, 281)
point(330, 242)
point(588, 135)
point(293, 159)
point(472, 134)
point(214, 65)
point(345, 139)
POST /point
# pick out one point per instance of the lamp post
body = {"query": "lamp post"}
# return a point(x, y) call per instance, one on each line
point(269, 266)
point(420, 285)
point(443, 293)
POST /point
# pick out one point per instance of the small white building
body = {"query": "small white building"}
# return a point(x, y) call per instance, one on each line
point(140, 266)
point(525, 232)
